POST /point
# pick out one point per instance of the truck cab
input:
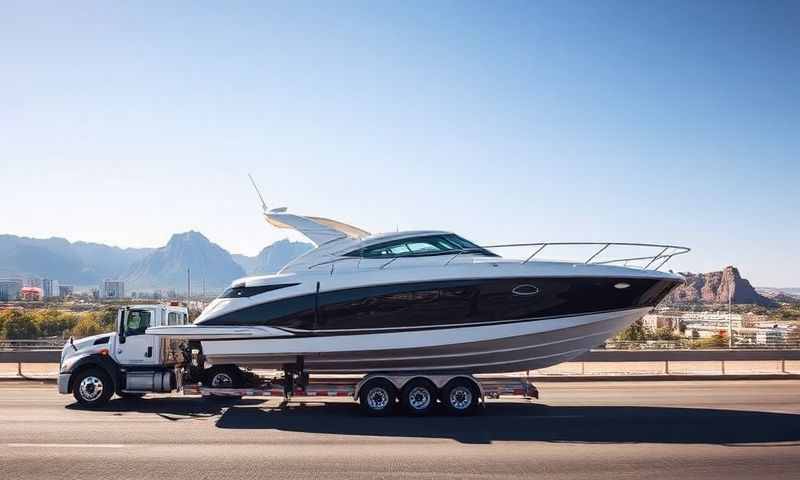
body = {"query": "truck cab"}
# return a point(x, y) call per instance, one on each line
point(128, 361)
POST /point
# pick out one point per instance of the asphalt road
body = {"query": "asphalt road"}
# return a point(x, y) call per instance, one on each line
point(714, 429)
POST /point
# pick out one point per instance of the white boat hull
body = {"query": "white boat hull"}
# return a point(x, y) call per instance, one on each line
point(485, 348)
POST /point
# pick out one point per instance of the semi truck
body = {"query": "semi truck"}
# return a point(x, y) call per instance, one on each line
point(130, 363)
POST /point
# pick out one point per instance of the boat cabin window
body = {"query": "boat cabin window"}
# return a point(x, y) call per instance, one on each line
point(421, 246)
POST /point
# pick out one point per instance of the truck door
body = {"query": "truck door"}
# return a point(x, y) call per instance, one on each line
point(139, 348)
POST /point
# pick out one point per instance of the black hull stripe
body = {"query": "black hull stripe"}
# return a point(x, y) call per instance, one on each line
point(307, 334)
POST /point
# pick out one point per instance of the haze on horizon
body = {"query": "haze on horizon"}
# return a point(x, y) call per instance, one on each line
point(556, 121)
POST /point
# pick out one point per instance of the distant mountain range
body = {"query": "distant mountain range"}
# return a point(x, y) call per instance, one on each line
point(82, 263)
point(273, 257)
point(716, 287)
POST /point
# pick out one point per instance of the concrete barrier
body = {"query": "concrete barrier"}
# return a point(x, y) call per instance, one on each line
point(31, 356)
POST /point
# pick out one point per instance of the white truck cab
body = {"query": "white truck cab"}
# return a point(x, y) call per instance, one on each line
point(128, 362)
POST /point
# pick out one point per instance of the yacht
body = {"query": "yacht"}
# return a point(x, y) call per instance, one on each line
point(424, 301)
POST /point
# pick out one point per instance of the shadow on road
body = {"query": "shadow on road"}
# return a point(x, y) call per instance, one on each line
point(521, 422)
point(171, 408)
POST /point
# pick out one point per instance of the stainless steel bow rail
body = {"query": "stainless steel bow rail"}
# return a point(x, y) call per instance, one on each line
point(665, 253)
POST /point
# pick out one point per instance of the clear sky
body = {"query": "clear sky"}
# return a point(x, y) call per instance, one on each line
point(654, 121)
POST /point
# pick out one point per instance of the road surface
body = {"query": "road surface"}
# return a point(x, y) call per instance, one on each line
point(713, 429)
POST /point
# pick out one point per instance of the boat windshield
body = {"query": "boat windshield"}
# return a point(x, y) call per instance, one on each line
point(421, 246)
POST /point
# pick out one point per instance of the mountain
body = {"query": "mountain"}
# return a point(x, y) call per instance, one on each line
point(166, 267)
point(273, 257)
point(714, 287)
point(78, 263)
point(781, 295)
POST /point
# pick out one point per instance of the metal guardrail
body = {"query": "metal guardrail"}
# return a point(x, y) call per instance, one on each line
point(28, 345)
point(701, 344)
point(599, 355)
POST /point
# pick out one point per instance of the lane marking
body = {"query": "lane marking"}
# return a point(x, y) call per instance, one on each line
point(66, 445)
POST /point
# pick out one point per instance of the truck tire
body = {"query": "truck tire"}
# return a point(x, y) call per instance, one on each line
point(377, 397)
point(92, 387)
point(419, 396)
point(460, 397)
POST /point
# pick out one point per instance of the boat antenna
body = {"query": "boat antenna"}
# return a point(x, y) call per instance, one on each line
point(263, 204)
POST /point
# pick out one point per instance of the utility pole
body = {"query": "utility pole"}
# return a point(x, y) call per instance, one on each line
point(188, 287)
point(730, 318)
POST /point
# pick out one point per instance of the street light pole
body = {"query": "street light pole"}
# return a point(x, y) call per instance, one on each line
point(730, 318)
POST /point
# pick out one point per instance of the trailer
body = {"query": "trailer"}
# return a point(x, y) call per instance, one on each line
point(379, 393)
point(132, 363)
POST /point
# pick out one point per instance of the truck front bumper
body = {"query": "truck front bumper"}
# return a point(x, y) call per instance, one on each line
point(63, 382)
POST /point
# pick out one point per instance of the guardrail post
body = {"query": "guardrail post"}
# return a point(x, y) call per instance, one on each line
point(666, 367)
point(583, 368)
point(723, 366)
point(783, 366)
point(19, 368)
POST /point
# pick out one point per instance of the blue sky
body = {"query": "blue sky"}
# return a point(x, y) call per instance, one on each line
point(673, 122)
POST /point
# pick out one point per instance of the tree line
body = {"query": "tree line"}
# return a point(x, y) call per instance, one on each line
point(16, 324)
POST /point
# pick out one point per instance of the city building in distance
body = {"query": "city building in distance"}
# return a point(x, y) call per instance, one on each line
point(65, 291)
point(10, 288)
point(50, 288)
point(112, 289)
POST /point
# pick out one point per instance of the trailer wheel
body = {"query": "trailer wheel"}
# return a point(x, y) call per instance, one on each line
point(92, 387)
point(377, 397)
point(460, 396)
point(419, 396)
point(223, 376)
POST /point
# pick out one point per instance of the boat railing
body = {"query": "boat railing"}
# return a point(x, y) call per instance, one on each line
point(661, 255)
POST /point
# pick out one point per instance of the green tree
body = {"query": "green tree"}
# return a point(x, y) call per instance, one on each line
point(54, 323)
point(717, 341)
point(88, 324)
point(636, 332)
point(19, 326)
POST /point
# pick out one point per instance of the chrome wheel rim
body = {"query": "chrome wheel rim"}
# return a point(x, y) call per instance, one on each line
point(221, 380)
point(91, 388)
point(377, 398)
point(419, 398)
point(461, 398)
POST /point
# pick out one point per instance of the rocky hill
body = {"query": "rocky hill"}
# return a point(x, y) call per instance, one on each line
point(715, 287)
point(166, 266)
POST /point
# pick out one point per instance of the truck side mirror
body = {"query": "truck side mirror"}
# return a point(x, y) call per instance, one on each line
point(123, 319)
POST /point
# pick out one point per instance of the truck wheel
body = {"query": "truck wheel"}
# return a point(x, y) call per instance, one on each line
point(377, 397)
point(419, 396)
point(460, 396)
point(93, 387)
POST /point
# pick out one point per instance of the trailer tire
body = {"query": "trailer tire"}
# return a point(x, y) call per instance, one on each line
point(223, 376)
point(377, 397)
point(92, 387)
point(419, 396)
point(460, 396)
